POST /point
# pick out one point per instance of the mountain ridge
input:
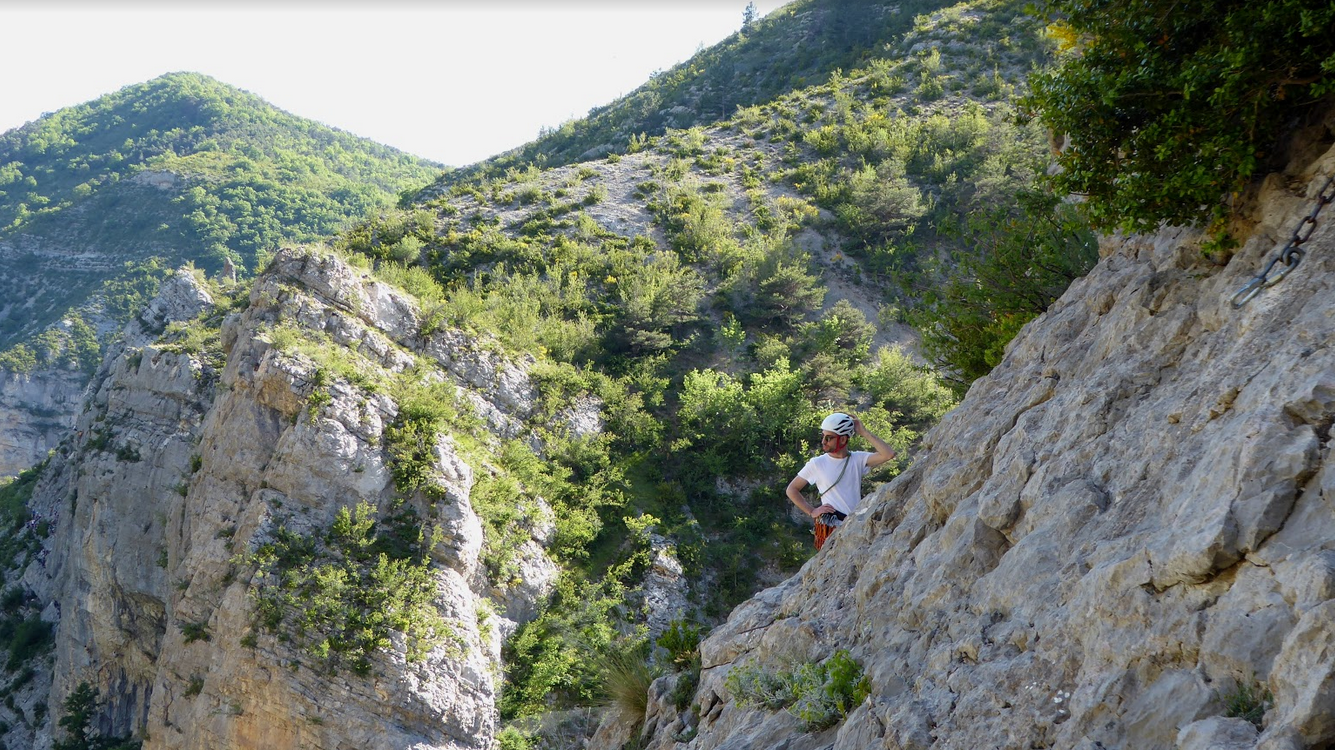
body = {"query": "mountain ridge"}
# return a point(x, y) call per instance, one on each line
point(107, 195)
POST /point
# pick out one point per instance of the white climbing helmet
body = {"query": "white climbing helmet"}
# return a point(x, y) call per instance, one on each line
point(839, 423)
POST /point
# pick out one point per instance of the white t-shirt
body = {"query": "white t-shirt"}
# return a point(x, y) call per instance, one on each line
point(824, 469)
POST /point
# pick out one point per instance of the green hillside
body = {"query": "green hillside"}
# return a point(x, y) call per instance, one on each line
point(182, 168)
point(799, 45)
point(718, 288)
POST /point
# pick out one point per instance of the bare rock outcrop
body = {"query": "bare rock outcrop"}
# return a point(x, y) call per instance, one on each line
point(36, 410)
point(1128, 521)
point(177, 479)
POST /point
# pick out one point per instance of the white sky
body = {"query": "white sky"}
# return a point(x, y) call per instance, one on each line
point(454, 81)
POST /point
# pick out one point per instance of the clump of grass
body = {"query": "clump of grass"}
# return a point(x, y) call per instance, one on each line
point(626, 679)
point(196, 631)
point(1248, 700)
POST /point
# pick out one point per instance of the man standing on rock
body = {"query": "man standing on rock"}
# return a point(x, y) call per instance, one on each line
point(837, 473)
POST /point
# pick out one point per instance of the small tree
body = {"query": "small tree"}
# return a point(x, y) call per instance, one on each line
point(749, 16)
point(79, 707)
point(1174, 107)
point(779, 290)
point(1010, 267)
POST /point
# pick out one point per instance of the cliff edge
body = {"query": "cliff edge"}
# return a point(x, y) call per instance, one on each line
point(230, 553)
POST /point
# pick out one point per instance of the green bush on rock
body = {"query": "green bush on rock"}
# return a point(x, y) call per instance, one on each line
point(1173, 107)
point(819, 694)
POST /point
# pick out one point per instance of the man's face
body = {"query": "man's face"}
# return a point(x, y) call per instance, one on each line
point(832, 443)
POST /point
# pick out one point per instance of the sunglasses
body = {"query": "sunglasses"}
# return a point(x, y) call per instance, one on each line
point(827, 438)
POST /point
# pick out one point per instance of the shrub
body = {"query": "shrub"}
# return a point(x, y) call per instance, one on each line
point(779, 290)
point(196, 631)
point(653, 300)
point(681, 640)
point(26, 639)
point(881, 201)
point(755, 685)
point(896, 383)
point(626, 679)
point(1012, 265)
point(340, 592)
point(819, 694)
point(511, 738)
point(688, 681)
point(554, 661)
point(1176, 107)
point(406, 250)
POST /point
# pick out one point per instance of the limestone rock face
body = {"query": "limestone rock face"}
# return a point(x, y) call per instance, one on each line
point(178, 475)
point(1129, 518)
point(181, 296)
point(665, 586)
point(36, 410)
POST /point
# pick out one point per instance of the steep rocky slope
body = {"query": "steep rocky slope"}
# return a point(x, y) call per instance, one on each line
point(193, 492)
point(37, 409)
point(1123, 527)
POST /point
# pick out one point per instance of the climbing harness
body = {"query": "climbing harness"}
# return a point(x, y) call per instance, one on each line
point(1291, 255)
point(826, 523)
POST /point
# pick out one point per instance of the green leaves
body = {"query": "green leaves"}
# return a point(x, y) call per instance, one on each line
point(1010, 266)
point(820, 694)
point(341, 592)
point(1173, 108)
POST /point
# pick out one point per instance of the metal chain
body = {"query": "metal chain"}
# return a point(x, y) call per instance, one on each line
point(1292, 254)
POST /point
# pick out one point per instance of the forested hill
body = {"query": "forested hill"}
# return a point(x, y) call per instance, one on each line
point(796, 46)
point(181, 168)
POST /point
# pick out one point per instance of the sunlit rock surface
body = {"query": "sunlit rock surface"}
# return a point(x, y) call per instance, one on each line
point(1131, 517)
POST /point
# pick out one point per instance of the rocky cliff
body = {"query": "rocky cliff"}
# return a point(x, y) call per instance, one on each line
point(36, 410)
point(1126, 527)
point(202, 509)
point(1122, 534)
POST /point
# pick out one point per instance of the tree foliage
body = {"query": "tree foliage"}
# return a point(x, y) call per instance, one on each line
point(80, 710)
point(1173, 107)
point(1009, 266)
point(340, 592)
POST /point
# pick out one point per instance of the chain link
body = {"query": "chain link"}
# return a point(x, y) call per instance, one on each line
point(1292, 254)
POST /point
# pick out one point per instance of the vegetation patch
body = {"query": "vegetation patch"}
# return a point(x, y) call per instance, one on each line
point(681, 640)
point(17, 540)
point(1012, 265)
point(627, 675)
point(78, 720)
point(819, 694)
point(340, 593)
point(1249, 700)
point(548, 659)
point(1163, 128)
